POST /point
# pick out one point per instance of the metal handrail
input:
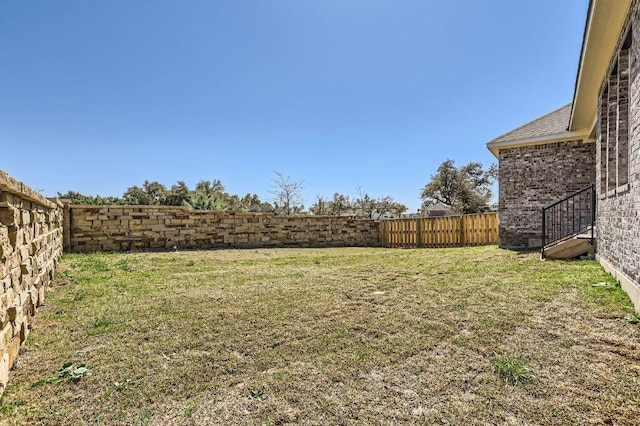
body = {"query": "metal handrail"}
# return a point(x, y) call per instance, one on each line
point(573, 215)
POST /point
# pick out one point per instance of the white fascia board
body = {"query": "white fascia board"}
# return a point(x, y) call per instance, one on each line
point(602, 33)
point(585, 47)
point(494, 147)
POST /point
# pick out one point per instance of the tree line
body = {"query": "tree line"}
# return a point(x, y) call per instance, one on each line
point(206, 195)
point(286, 199)
point(465, 189)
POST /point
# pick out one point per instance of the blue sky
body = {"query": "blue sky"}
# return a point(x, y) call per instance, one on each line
point(97, 96)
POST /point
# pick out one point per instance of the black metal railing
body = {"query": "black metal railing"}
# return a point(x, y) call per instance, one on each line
point(573, 215)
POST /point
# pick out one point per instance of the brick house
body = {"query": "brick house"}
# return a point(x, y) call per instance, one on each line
point(595, 140)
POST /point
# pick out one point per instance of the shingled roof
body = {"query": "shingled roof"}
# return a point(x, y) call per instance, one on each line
point(551, 124)
point(552, 127)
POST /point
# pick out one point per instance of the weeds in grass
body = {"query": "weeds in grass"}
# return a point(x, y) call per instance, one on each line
point(316, 337)
point(125, 266)
point(513, 369)
point(68, 371)
point(102, 322)
point(461, 304)
point(607, 295)
point(191, 408)
point(633, 319)
point(92, 262)
point(259, 394)
point(80, 295)
point(121, 385)
point(4, 408)
point(607, 286)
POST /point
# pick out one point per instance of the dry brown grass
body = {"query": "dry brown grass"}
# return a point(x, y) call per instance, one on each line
point(289, 336)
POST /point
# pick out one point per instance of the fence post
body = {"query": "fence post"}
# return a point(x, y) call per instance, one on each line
point(462, 239)
point(66, 227)
point(544, 229)
point(418, 232)
point(593, 209)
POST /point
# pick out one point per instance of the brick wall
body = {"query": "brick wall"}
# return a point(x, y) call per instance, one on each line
point(532, 177)
point(618, 208)
point(116, 228)
point(30, 246)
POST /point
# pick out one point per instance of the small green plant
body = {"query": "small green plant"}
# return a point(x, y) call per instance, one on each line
point(122, 385)
point(144, 418)
point(68, 371)
point(102, 322)
point(80, 295)
point(513, 370)
point(606, 285)
point(125, 266)
point(461, 304)
point(92, 262)
point(258, 394)
point(633, 319)
point(191, 408)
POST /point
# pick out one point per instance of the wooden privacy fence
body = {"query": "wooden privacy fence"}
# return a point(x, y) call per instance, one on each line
point(434, 232)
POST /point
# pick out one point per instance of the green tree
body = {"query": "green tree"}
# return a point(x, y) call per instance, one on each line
point(387, 204)
point(78, 198)
point(466, 189)
point(151, 193)
point(210, 187)
point(178, 195)
point(373, 208)
point(209, 195)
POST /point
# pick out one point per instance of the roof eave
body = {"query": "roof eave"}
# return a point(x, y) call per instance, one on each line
point(605, 19)
point(583, 134)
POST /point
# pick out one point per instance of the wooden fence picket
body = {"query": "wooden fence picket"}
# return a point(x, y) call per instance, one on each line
point(440, 232)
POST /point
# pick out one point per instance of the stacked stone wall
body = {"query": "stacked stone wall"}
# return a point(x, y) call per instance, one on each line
point(618, 208)
point(30, 246)
point(531, 177)
point(121, 228)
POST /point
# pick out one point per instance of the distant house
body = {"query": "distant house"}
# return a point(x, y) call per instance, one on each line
point(437, 210)
point(593, 142)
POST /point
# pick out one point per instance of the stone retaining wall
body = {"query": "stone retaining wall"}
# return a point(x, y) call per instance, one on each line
point(30, 246)
point(121, 228)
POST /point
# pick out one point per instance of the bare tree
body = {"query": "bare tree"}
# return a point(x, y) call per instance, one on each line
point(319, 207)
point(287, 194)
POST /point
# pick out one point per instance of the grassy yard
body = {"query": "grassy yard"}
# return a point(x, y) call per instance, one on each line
point(329, 336)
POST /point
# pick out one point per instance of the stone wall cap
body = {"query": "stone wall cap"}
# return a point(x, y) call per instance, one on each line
point(13, 186)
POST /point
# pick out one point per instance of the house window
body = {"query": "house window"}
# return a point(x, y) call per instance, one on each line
point(614, 123)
